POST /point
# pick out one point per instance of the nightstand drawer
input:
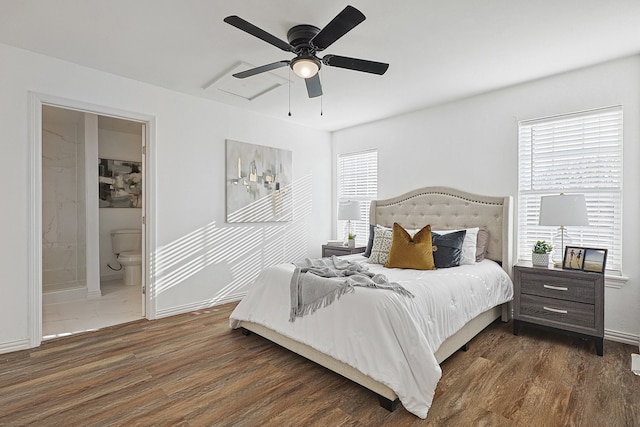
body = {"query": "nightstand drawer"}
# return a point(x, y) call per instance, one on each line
point(555, 310)
point(330, 250)
point(558, 286)
point(327, 252)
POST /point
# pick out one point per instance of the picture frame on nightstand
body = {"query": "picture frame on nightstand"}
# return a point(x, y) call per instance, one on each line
point(595, 260)
point(573, 258)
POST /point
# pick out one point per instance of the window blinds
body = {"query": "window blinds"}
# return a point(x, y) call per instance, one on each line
point(578, 153)
point(357, 180)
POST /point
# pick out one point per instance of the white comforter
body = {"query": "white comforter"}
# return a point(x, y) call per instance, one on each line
point(387, 336)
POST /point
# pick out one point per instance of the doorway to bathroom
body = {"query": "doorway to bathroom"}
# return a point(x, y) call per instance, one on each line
point(93, 176)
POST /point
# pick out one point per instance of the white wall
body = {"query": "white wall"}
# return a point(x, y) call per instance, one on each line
point(471, 144)
point(192, 265)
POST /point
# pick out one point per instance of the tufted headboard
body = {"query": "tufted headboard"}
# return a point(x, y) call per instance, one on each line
point(446, 209)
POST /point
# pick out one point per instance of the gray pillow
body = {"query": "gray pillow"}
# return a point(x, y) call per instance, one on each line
point(367, 253)
point(447, 248)
point(482, 243)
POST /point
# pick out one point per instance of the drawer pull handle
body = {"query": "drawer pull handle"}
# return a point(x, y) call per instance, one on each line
point(556, 288)
point(555, 310)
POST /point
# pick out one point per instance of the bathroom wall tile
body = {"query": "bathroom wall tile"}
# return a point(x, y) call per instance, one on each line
point(60, 130)
point(56, 277)
point(81, 257)
point(58, 153)
point(49, 184)
point(59, 257)
point(81, 223)
point(63, 227)
point(58, 184)
point(82, 275)
point(59, 145)
point(65, 182)
point(49, 222)
point(67, 223)
point(81, 254)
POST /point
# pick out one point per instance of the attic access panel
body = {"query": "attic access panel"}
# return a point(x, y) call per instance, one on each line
point(248, 89)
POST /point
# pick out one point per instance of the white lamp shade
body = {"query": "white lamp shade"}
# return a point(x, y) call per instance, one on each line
point(349, 210)
point(563, 209)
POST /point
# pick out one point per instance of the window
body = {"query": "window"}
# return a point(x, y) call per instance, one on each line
point(579, 153)
point(357, 180)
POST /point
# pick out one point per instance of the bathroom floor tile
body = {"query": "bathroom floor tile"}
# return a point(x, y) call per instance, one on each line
point(119, 304)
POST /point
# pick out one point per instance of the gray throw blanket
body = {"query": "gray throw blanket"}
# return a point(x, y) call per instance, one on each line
point(316, 283)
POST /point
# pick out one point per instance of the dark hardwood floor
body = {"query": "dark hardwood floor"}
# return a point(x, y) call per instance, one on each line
point(192, 370)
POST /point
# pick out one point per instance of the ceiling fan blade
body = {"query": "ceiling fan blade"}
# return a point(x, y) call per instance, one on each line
point(355, 64)
point(344, 22)
point(248, 27)
point(314, 88)
point(261, 69)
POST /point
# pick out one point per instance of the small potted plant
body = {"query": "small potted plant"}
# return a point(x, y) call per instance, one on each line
point(351, 241)
point(540, 255)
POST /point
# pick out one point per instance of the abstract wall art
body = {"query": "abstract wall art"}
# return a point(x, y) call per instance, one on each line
point(119, 184)
point(258, 180)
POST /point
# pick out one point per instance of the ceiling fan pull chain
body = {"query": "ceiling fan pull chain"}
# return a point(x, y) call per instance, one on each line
point(289, 92)
point(321, 100)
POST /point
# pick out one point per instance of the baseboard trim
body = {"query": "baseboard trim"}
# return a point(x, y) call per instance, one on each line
point(11, 346)
point(622, 337)
point(200, 305)
point(64, 295)
point(94, 294)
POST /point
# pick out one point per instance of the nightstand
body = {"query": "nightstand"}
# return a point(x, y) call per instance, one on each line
point(568, 300)
point(328, 250)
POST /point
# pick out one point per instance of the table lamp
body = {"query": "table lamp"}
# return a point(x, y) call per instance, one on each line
point(348, 211)
point(562, 210)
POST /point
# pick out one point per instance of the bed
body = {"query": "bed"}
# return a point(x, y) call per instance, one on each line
point(336, 339)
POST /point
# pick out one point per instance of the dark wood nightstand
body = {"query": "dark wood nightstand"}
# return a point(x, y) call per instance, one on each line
point(328, 250)
point(570, 300)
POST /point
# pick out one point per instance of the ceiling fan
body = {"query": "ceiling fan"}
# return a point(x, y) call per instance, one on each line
point(305, 41)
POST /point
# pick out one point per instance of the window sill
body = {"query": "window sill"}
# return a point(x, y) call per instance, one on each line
point(615, 281)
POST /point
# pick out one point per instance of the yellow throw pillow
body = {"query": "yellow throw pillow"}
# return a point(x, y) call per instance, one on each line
point(416, 253)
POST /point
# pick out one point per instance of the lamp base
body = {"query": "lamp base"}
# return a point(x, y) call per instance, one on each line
point(347, 231)
point(559, 241)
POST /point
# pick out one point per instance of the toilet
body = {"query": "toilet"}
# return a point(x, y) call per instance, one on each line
point(127, 244)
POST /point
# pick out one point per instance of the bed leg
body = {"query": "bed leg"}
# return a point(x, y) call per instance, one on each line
point(507, 311)
point(245, 332)
point(388, 404)
point(465, 347)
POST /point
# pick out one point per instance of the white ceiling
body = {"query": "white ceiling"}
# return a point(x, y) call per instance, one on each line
point(438, 50)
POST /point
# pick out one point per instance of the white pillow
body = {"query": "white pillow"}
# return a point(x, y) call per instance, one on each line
point(410, 231)
point(469, 244)
point(381, 245)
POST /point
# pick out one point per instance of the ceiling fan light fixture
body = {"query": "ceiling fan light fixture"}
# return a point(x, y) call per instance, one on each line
point(305, 67)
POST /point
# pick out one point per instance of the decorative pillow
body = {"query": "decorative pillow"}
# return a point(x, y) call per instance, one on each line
point(447, 248)
point(482, 243)
point(370, 242)
point(381, 245)
point(407, 252)
point(469, 245)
